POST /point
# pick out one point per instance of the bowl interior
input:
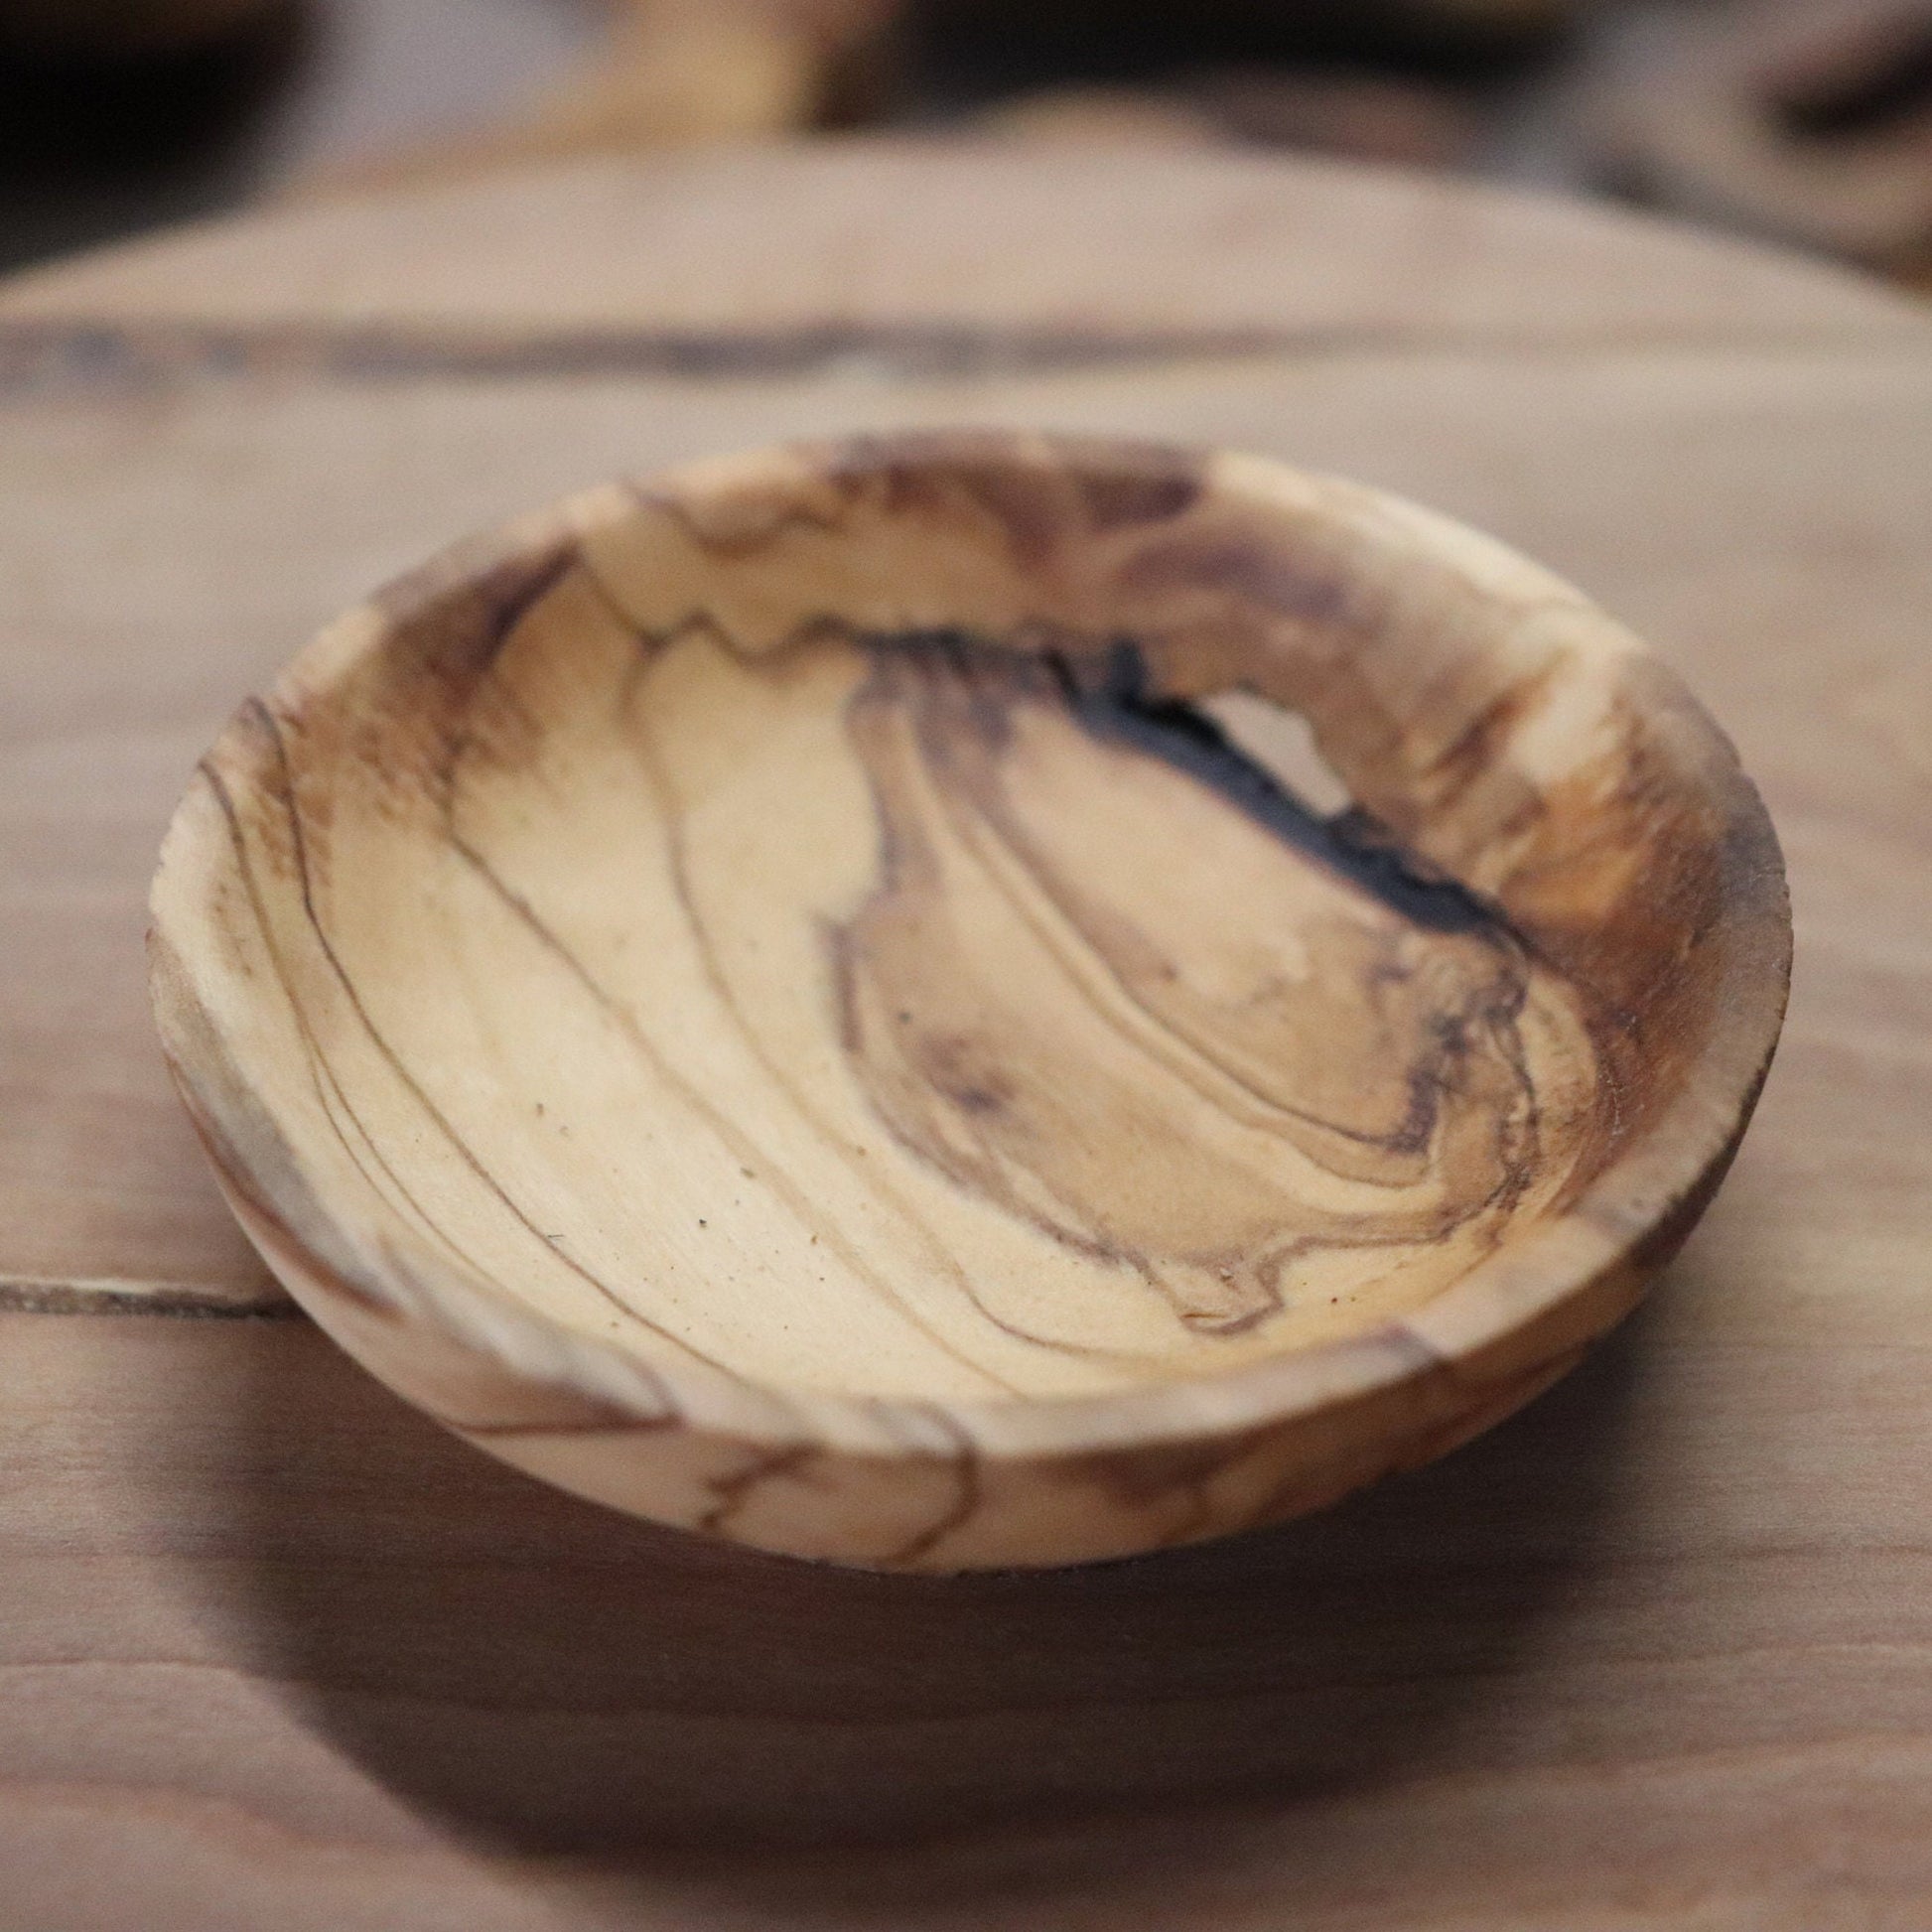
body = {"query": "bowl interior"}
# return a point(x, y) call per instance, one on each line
point(870, 918)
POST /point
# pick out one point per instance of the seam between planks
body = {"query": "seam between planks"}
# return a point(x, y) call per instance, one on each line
point(56, 357)
point(31, 1295)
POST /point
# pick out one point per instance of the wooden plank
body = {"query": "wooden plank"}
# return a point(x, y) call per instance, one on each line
point(1652, 1655)
point(270, 1647)
point(856, 242)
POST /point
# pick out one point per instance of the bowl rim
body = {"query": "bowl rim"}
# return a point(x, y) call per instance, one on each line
point(1546, 1290)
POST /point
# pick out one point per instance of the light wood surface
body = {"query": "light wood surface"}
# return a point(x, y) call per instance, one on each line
point(769, 994)
point(1653, 1654)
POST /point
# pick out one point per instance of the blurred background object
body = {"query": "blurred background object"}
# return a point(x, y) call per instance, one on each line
point(670, 72)
point(1807, 121)
point(120, 26)
point(110, 126)
point(1802, 120)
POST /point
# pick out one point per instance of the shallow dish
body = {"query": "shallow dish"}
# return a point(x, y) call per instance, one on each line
point(820, 999)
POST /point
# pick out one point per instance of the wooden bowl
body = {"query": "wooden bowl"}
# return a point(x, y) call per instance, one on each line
point(797, 998)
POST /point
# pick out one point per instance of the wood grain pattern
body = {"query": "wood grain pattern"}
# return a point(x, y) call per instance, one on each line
point(1647, 1656)
point(776, 958)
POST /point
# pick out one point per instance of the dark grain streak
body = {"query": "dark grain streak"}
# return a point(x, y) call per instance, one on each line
point(743, 1148)
point(1113, 700)
point(1478, 747)
point(959, 697)
point(268, 1227)
point(734, 1490)
point(760, 524)
point(415, 1088)
point(966, 1495)
point(809, 630)
point(834, 1240)
point(93, 354)
point(330, 1096)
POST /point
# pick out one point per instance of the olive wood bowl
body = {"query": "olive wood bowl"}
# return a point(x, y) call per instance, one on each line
point(820, 997)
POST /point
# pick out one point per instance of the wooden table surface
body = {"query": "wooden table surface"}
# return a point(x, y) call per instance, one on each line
point(275, 1652)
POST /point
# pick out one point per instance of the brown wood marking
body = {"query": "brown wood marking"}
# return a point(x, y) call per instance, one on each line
point(415, 1088)
point(1143, 1480)
point(813, 630)
point(966, 1493)
point(1464, 1105)
point(336, 1107)
point(503, 604)
point(715, 977)
point(1475, 748)
point(1354, 848)
point(745, 1149)
point(789, 512)
point(735, 1489)
point(1034, 512)
point(266, 1226)
point(809, 631)
point(1401, 974)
